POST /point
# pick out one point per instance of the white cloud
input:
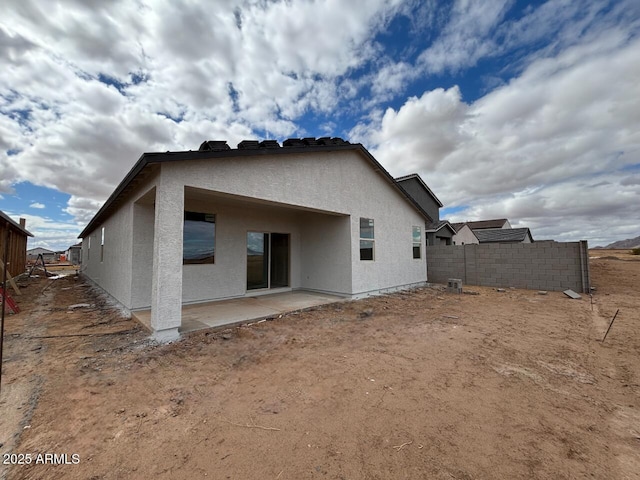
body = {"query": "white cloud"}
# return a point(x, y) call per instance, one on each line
point(466, 37)
point(49, 233)
point(552, 149)
point(37, 205)
point(90, 86)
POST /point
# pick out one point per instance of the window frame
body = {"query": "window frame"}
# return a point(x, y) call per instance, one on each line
point(366, 239)
point(102, 246)
point(416, 243)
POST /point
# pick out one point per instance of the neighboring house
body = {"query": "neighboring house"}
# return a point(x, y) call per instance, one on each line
point(438, 232)
point(17, 253)
point(500, 235)
point(464, 235)
point(313, 214)
point(47, 255)
point(74, 254)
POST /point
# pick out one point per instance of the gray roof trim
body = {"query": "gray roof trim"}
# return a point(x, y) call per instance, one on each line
point(492, 235)
point(424, 185)
point(148, 159)
point(15, 225)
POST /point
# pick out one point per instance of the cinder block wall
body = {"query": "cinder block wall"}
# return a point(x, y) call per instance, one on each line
point(539, 266)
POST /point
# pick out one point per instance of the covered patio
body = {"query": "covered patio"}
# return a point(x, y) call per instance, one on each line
point(223, 313)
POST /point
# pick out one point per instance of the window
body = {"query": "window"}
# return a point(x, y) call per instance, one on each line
point(417, 242)
point(199, 238)
point(367, 240)
point(102, 247)
point(88, 248)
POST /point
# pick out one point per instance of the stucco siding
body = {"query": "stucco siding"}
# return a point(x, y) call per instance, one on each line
point(122, 263)
point(325, 254)
point(341, 182)
point(227, 277)
point(113, 271)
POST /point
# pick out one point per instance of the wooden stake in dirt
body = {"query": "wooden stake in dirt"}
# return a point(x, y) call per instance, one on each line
point(612, 320)
point(14, 285)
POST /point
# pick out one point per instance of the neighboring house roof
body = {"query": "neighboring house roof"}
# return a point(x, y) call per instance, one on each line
point(491, 235)
point(432, 227)
point(77, 245)
point(458, 225)
point(219, 149)
point(424, 185)
point(482, 224)
point(36, 250)
point(15, 225)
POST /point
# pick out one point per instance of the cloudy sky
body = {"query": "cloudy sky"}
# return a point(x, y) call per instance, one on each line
point(524, 110)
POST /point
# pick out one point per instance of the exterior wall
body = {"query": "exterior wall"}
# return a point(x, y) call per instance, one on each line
point(17, 258)
point(326, 265)
point(227, 277)
point(539, 265)
point(426, 201)
point(143, 236)
point(465, 236)
point(342, 182)
point(115, 273)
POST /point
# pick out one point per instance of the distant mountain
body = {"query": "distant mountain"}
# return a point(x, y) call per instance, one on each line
point(628, 243)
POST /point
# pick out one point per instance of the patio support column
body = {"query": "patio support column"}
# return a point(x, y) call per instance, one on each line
point(166, 283)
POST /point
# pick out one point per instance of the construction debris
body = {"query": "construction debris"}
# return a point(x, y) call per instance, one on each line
point(571, 294)
point(542, 292)
point(454, 285)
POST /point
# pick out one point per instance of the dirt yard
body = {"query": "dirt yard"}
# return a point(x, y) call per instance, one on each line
point(498, 385)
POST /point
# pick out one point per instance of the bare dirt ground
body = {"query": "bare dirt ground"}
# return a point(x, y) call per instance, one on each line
point(413, 385)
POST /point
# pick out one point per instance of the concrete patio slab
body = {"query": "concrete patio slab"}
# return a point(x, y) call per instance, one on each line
point(241, 310)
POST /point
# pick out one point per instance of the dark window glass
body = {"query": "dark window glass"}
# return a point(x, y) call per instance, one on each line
point(199, 238)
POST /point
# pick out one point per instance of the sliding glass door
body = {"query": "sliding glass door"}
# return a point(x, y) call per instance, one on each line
point(267, 260)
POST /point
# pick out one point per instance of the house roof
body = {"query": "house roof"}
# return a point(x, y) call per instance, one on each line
point(424, 185)
point(39, 250)
point(457, 226)
point(436, 226)
point(220, 149)
point(491, 235)
point(15, 225)
point(481, 224)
